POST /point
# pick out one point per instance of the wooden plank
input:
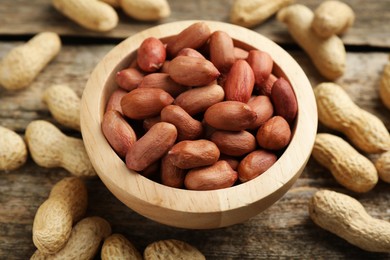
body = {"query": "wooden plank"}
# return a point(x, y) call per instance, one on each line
point(23, 17)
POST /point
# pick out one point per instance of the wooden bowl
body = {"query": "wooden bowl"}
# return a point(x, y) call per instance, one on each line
point(186, 208)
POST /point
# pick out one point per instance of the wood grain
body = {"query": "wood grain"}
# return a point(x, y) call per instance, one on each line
point(24, 17)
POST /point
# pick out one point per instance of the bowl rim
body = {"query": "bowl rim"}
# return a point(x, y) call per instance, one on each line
point(152, 199)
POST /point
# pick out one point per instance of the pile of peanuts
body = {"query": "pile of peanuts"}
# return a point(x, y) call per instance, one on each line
point(199, 112)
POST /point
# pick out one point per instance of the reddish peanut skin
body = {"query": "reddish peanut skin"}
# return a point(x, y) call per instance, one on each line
point(165, 66)
point(150, 121)
point(192, 71)
point(171, 175)
point(142, 103)
point(129, 78)
point(151, 147)
point(217, 176)
point(261, 63)
point(151, 55)
point(221, 51)
point(119, 134)
point(254, 164)
point(240, 54)
point(230, 116)
point(114, 102)
point(266, 87)
point(164, 82)
point(234, 143)
point(264, 109)
point(191, 154)
point(187, 127)
point(152, 171)
point(232, 161)
point(190, 52)
point(197, 100)
point(193, 37)
point(239, 82)
point(275, 134)
point(284, 100)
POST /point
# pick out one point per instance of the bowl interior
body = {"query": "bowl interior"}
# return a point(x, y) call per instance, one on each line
point(185, 208)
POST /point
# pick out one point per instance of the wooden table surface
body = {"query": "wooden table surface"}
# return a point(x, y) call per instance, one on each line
point(282, 231)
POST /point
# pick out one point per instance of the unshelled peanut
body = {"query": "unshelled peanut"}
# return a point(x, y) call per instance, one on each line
point(67, 204)
point(13, 150)
point(350, 168)
point(384, 88)
point(172, 249)
point(50, 148)
point(64, 105)
point(22, 65)
point(146, 10)
point(116, 246)
point(382, 165)
point(347, 218)
point(337, 111)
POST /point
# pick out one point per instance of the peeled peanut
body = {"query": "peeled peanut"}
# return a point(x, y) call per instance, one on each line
point(350, 168)
point(284, 100)
point(337, 111)
point(190, 52)
point(266, 87)
point(254, 164)
point(172, 249)
point(382, 165)
point(117, 246)
point(192, 71)
point(261, 63)
point(150, 121)
point(221, 51)
point(332, 17)
point(91, 14)
point(67, 204)
point(171, 175)
point(345, 217)
point(129, 78)
point(240, 53)
point(197, 100)
point(217, 176)
point(187, 127)
point(263, 108)
point(142, 103)
point(118, 132)
point(50, 148)
point(151, 147)
point(275, 134)
point(84, 240)
point(191, 154)
point(151, 54)
point(114, 102)
point(234, 143)
point(186, 39)
point(13, 150)
point(64, 105)
point(327, 54)
point(239, 82)
point(146, 10)
point(164, 82)
point(384, 87)
point(230, 116)
point(250, 13)
point(22, 64)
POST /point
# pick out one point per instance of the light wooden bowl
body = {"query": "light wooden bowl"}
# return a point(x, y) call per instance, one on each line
point(185, 208)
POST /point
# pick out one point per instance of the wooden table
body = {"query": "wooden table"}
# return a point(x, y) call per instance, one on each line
point(282, 231)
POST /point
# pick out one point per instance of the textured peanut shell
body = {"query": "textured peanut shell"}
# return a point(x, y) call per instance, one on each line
point(382, 165)
point(13, 150)
point(171, 249)
point(146, 10)
point(328, 55)
point(350, 168)
point(53, 221)
point(337, 111)
point(117, 246)
point(22, 64)
point(384, 88)
point(249, 13)
point(332, 17)
point(91, 14)
point(84, 240)
point(346, 217)
point(64, 105)
point(50, 148)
